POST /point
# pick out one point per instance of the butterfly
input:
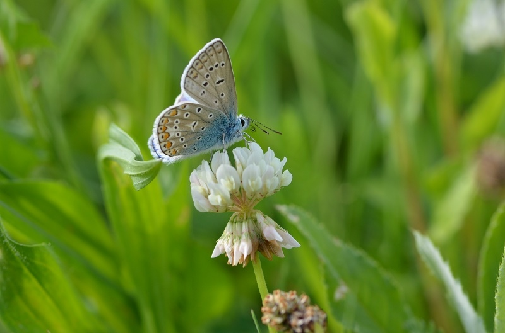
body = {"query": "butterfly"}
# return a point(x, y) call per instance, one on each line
point(204, 116)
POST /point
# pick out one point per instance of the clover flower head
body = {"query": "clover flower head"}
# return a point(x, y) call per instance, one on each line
point(222, 187)
point(288, 312)
point(483, 26)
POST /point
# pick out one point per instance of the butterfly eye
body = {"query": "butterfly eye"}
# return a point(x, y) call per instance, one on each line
point(242, 121)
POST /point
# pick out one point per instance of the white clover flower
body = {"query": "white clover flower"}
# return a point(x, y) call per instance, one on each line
point(221, 187)
point(484, 25)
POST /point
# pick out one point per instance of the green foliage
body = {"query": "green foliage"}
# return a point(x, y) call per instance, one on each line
point(366, 280)
point(451, 210)
point(383, 114)
point(489, 263)
point(125, 151)
point(36, 294)
point(499, 318)
point(432, 258)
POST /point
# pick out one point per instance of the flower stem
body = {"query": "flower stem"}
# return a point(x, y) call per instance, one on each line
point(260, 280)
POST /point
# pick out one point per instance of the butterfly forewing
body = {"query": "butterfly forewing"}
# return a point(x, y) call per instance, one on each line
point(180, 130)
point(209, 79)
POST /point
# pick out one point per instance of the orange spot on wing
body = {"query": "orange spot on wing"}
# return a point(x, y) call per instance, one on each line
point(173, 113)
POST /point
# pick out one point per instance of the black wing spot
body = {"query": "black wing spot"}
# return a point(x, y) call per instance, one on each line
point(182, 139)
point(205, 83)
point(202, 93)
point(185, 145)
point(211, 115)
point(222, 64)
point(184, 106)
point(178, 134)
point(186, 115)
point(222, 94)
point(207, 75)
point(211, 68)
point(215, 102)
point(194, 148)
point(203, 129)
point(198, 109)
point(175, 127)
point(216, 65)
point(176, 121)
point(218, 82)
point(199, 138)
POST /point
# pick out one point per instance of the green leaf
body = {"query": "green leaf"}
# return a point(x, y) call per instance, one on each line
point(375, 291)
point(17, 158)
point(489, 261)
point(117, 135)
point(46, 211)
point(126, 152)
point(253, 315)
point(499, 319)
point(484, 115)
point(35, 293)
point(432, 258)
point(19, 30)
point(451, 210)
point(42, 211)
point(140, 223)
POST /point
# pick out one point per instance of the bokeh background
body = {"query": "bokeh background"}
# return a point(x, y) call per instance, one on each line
point(391, 113)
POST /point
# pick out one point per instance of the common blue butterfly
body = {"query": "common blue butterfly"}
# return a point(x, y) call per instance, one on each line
point(204, 116)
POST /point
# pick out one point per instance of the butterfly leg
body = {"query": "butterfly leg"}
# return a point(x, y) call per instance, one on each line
point(244, 134)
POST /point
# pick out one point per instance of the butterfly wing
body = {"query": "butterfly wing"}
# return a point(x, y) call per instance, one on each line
point(185, 130)
point(209, 79)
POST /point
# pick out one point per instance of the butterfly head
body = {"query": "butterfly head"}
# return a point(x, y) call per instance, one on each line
point(244, 122)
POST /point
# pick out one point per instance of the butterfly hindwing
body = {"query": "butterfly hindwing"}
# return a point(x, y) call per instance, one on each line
point(209, 79)
point(183, 130)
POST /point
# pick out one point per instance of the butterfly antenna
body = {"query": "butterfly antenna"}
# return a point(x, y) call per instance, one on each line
point(260, 125)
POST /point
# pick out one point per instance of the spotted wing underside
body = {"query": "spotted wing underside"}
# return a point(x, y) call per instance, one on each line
point(209, 79)
point(180, 130)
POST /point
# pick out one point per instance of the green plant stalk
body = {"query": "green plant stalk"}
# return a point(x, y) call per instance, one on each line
point(45, 126)
point(417, 220)
point(18, 89)
point(444, 72)
point(260, 280)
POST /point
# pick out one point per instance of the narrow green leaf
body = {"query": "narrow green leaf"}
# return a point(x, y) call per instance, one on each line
point(51, 212)
point(499, 319)
point(371, 285)
point(482, 118)
point(20, 31)
point(375, 34)
point(42, 211)
point(126, 152)
point(432, 258)
point(35, 295)
point(253, 315)
point(17, 158)
point(489, 261)
point(140, 224)
point(450, 212)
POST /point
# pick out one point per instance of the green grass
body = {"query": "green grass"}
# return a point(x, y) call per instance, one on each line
point(383, 115)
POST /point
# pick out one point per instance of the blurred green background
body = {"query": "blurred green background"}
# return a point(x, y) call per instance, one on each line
point(391, 121)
